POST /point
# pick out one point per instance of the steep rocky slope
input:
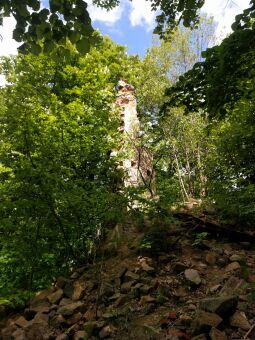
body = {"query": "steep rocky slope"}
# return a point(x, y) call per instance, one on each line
point(198, 292)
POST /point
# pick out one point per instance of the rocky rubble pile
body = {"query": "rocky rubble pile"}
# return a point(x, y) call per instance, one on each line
point(196, 293)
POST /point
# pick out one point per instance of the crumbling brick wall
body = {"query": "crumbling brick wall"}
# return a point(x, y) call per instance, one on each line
point(138, 163)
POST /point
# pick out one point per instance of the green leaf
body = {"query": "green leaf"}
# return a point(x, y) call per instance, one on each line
point(43, 14)
point(17, 34)
point(34, 4)
point(74, 36)
point(35, 48)
point(83, 46)
point(23, 11)
point(49, 46)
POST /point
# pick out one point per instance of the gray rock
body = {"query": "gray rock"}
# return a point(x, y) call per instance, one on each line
point(21, 322)
point(41, 297)
point(147, 299)
point(65, 301)
point(216, 334)
point(78, 290)
point(106, 290)
point(147, 268)
point(56, 296)
point(236, 258)
point(68, 290)
point(106, 331)
point(214, 289)
point(204, 321)
point(92, 326)
point(42, 308)
point(232, 267)
point(231, 286)
point(75, 318)
point(41, 318)
point(80, 335)
point(57, 321)
point(130, 276)
point(126, 286)
point(37, 330)
point(223, 305)
point(192, 276)
point(145, 289)
point(239, 320)
point(222, 261)
point(211, 258)
point(70, 308)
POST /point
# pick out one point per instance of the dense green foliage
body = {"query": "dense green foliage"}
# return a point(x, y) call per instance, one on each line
point(58, 127)
point(225, 76)
point(42, 28)
point(166, 60)
point(178, 141)
point(222, 88)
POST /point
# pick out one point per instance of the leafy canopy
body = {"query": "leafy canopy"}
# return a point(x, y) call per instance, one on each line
point(225, 75)
point(42, 29)
point(57, 179)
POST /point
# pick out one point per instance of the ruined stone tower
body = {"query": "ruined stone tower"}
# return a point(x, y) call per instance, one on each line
point(137, 162)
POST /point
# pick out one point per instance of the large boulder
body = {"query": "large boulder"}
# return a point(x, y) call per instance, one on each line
point(41, 297)
point(70, 309)
point(21, 322)
point(223, 305)
point(204, 322)
point(37, 329)
point(56, 296)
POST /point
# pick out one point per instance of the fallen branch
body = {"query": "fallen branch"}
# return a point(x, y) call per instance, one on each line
point(214, 229)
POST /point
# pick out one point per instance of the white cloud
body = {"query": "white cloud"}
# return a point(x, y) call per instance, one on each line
point(142, 15)
point(107, 17)
point(7, 44)
point(224, 13)
point(2, 80)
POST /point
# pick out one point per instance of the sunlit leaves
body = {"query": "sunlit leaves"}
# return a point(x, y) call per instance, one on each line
point(83, 45)
point(35, 28)
point(57, 129)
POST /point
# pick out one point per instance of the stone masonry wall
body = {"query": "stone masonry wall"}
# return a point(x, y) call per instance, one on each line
point(138, 163)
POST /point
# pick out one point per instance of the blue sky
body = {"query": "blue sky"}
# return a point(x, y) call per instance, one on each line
point(131, 24)
point(137, 40)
